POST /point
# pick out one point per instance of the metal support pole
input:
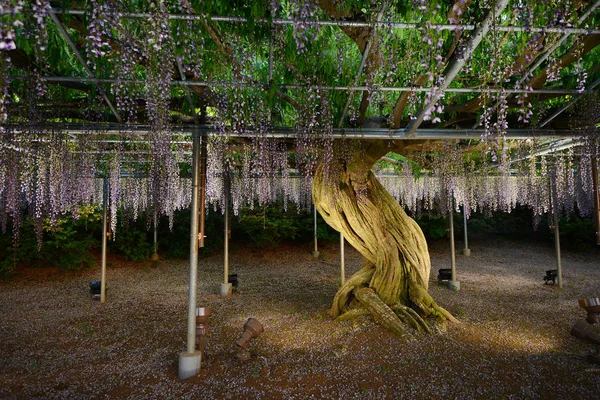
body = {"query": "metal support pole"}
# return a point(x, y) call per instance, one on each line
point(466, 250)
point(155, 233)
point(155, 254)
point(342, 263)
point(226, 287)
point(104, 239)
point(189, 361)
point(226, 269)
point(453, 283)
point(556, 229)
point(202, 208)
point(316, 250)
point(596, 197)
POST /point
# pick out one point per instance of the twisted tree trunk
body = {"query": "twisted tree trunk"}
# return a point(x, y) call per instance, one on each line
point(396, 263)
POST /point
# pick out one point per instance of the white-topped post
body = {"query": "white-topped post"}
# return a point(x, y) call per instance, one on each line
point(189, 361)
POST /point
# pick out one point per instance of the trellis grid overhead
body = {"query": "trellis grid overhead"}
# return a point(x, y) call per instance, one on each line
point(117, 88)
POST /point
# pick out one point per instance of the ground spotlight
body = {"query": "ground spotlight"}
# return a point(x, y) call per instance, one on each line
point(252, 329)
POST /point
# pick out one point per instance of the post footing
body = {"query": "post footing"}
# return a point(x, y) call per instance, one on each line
point(226, 289)
point(316, 254)
point(454, 285)
point(466, 252)
point(189, 364)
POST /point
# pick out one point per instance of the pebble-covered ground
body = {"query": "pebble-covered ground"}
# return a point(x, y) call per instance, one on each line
point(513, 340)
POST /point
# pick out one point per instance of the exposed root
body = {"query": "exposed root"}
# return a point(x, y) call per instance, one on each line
point(380, 311)
point(352, 314)
point(359, 279)
point(410, 316)
point(422, 300)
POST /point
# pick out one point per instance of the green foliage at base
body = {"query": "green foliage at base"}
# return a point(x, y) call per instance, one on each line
point(68, 247)
point(577, 233)
point(132, 243)
point(67, 244)
point(270, 225)
point(433, 227)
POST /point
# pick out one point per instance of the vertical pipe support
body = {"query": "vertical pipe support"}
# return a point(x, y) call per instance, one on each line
point(189, 361)
point(596, 195)
point(342, 261)
point(466, 251)
point(226, 287)
point(104, 239)
point(453, 283)
point(316, 250)
point(202, 199)
point(556, 229)
point(155, 249)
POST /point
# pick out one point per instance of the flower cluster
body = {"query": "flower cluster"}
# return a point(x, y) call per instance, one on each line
point(9, 21)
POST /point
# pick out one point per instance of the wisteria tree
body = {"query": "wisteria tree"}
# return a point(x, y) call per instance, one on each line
point(323, 88)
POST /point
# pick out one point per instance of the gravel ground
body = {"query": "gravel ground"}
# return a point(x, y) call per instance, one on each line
point(513, 340)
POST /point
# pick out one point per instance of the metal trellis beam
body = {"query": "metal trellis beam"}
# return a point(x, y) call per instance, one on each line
point(67, 38)
point(551, 50)
point(457, 63)
point(572, 102)
point(362, 65)
point(349, 133)
point(350, 24)
point(319, 87)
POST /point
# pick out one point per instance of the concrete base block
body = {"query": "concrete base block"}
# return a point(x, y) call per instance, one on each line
point(189, 364)
point(466, 252)
point(154, 257)
point(316, 254)
point(454, 285)
point(226, 289)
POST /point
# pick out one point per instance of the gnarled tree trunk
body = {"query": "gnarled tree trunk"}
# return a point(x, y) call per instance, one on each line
point(393, 280)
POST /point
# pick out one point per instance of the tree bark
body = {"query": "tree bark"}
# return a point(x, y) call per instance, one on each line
point(396, 262)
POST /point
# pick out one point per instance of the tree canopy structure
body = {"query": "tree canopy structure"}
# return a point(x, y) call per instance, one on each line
point(323, 89)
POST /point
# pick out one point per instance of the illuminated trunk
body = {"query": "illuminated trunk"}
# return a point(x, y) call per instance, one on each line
point(396, 262)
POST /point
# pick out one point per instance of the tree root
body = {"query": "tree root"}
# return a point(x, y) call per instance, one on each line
point(361, 278)
point(425, 303)
point(380, 311)
point(410, 317)
point(352, 314)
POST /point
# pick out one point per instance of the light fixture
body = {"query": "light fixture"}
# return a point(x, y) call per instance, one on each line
point(252, 329)
point(592, 306)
